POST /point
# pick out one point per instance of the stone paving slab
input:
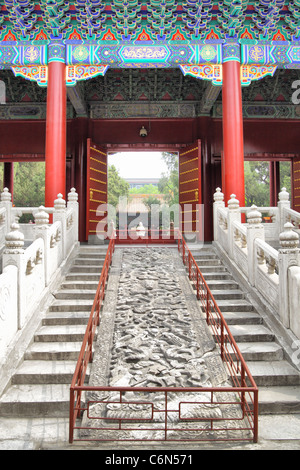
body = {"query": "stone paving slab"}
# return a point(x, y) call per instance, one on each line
point(276, 432)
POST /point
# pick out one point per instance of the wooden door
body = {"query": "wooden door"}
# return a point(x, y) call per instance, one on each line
point(190, 197)
point(96, 190)
point(296, 184)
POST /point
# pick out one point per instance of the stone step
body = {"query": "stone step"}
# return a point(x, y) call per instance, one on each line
point(66, 318)
point(60, 333)
point(36, 400)
point(205, 255)
point(208, 262)
point(80, 285)
point(58, 351)
point(86, 269)
point(85, 277)
point(216, 275)
point(261, 351)
point(227, 294)
point(222, 284)
point(69, 294)
point(88, 262)
point(44, 372)
point(212, 269)
point(234, 305)
point(95, 255)
point(74, 306)
point(251, 333)
point(279, 400)
point(273, 373)
point(202, 250)
point(242, 318)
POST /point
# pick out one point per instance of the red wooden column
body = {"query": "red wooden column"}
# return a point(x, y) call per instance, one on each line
point(233, 139)
point(55, 155)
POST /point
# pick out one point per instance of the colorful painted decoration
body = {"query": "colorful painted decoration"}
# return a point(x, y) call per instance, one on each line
point(127, 17)
point(90, 18)
point(196, 35)
point(204, 72)
point(197, 17)
point(21, 14)
point(75, 73)
point(56, 16)
point(162, 17)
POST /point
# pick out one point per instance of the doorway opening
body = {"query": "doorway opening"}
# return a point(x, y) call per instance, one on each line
point(143, 193)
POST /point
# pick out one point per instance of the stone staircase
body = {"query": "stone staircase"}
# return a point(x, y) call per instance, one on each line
point(278, 381)
point(41, 384)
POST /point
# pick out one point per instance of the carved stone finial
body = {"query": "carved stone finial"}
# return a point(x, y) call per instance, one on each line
point(218, 195)
point(41, 217)
point(289, 238)
point(111, 229)
point(254, 216)
point(233, 203)
point(14, 240)
point(59, 203)
point(5, 195)
point(283, 195)
point(72, 195)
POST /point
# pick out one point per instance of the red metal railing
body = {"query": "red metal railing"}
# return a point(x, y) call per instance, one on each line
point(230, 353)
point(241, 425)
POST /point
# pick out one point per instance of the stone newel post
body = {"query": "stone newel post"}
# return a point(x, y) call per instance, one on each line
point(219, 202)
point(41, 230)
point(288, 256)
point(73, 204)
point(234, 215)
point(14, 254)
point(282, 204)
point(255, 230)
point(60, 215)
point(6, 202)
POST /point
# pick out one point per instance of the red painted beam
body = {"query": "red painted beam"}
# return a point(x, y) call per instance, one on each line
point(233, 139)
point(55, 154)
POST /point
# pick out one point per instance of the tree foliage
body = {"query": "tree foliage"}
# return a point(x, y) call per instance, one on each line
point(150, 201)
point(168, 183)
point(29, 184)
point(146, 189)
point(257, 182)
point(117, 186)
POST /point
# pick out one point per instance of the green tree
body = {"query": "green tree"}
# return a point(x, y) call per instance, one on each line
point(151, 200)
point(147, 189)
point(117, 186)
point(168, 183)
point(29, 184)
point(257, 183)
point(285, 177)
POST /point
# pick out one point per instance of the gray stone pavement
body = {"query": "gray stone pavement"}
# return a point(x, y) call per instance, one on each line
point(277, 432)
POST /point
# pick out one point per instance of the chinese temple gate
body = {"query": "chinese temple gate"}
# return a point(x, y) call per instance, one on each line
point(219, 76)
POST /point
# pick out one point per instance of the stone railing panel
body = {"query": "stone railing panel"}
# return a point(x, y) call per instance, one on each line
point(294, 299)
point(8, 306)
point(273, 272)
point(266, 272)
point(28, 272)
